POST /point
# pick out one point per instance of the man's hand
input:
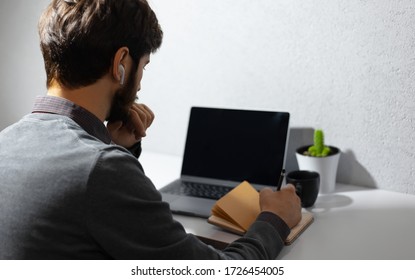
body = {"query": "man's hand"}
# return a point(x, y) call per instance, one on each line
point(128, 133)
point(285, 203)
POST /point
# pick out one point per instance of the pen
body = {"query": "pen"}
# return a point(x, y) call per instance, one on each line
point(280, 180)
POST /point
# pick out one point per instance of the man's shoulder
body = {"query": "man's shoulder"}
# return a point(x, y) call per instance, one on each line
point(115, 155)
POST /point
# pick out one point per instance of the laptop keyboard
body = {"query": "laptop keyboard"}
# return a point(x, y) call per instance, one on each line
point(198, 190)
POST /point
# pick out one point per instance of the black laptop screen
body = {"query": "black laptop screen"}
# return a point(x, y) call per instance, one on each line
point(236, 145)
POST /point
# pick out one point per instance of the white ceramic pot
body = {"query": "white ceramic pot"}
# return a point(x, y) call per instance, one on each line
point(325, 166)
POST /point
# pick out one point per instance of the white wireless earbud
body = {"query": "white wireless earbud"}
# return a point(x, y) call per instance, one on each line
point(121, 71)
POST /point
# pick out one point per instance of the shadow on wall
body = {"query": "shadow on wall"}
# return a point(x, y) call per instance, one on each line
point(298, 137)
point(350, 171)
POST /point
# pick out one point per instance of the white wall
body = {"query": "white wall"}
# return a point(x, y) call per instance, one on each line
point(21, 69)
point(345, 66)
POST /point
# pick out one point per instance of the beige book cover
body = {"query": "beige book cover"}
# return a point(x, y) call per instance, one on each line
point(239, 208)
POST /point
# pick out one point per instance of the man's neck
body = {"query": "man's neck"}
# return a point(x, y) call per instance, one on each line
point(95, 98)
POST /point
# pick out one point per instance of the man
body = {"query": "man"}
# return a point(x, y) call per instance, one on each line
point(71, 187)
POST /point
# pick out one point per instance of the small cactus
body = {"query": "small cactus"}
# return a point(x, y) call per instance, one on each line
point(318, 149)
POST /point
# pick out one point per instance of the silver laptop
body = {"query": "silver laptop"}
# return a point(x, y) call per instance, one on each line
point(223, 148)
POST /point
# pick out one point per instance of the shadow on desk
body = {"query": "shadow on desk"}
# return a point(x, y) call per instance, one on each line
point(326, 203)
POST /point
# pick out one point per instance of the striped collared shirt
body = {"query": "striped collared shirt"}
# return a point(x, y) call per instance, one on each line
point(60, 106)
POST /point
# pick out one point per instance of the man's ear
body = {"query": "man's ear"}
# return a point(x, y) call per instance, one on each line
point(119, 65)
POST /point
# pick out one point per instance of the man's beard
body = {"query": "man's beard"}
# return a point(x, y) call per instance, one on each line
point(122, 102)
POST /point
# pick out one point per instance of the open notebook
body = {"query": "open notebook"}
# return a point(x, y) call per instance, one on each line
point(238, 209)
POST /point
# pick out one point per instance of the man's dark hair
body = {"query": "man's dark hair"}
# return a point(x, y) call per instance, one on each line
point(79, 38)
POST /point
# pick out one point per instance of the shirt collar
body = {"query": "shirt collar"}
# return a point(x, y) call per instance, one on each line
point(60, 106)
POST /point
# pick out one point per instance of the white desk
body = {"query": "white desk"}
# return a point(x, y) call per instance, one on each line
point(352, 223)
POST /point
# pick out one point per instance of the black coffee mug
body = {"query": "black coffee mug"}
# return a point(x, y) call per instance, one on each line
point(306, 184)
